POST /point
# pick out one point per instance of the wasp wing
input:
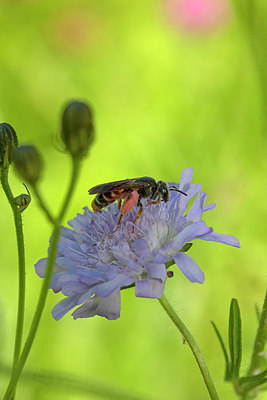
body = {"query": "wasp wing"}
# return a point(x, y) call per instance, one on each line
point(106, 187)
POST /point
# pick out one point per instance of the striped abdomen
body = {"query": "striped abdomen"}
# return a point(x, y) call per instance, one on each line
point(101, 200)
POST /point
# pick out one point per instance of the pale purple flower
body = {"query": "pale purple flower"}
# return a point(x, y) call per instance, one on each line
point(93, 262)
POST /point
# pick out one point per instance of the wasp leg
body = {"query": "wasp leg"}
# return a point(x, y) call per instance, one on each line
point(140, 212)
point(119, 204)
point(129, 202)
point(119, 221)
point(154, 201)
point(121, 215)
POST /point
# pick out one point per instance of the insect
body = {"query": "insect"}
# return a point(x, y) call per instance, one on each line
point(132, 191)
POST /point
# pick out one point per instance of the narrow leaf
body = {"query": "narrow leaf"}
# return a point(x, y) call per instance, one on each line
point(251, 382)
point(186, 247)
point(249, 378)
point(258, 358)
point(235, 337)
point(227, 376)
point(258, 312)
point(248, 386)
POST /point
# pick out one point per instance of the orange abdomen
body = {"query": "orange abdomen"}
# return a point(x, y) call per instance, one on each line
point(130, 202)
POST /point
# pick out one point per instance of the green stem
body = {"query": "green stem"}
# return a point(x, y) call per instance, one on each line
point(21, 264)
point(45, 286)
point(253, 16)
point(42, 204)
point(75, 172)
point(193, 345)
point(67, 383)
point(259, 344)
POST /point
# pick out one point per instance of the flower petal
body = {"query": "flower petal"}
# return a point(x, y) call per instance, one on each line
point(209, 207)
point(150, 288)
point(196, 210)
point(64, 306)
point(161, 258)
point(156, 271)
point(189, 268)
point(193, 231)
point(88, 309)
point(40, 267)
point(186, 177)
point(107, 288)
point(108, 307)
point(221, 238)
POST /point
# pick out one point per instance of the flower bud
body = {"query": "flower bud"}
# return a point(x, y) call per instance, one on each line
point(77, 131)
point(28, 163)
point(8, 143)
point(23, 200)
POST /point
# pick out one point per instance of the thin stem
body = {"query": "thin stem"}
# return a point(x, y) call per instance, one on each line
point(75, 171)
point(45, 286)
point(42, 204)
point(193, 345)
point(21, 265)
point(259, 344)
point(252, 16)
point(59, 382)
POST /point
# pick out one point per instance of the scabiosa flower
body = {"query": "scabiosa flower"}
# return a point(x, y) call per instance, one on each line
point(94, 262)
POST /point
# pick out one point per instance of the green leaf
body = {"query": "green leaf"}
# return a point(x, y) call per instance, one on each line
point(227, 376)
point(258, 312)
point(169, 264)
point(235, 338)
point(251, 382)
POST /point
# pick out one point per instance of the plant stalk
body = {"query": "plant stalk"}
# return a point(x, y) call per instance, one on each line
point(193, 345)
point(45, 286)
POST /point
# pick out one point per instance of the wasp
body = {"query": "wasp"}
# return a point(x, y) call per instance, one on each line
point(132, 191)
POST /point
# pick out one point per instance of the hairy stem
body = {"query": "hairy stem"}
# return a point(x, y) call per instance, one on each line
point(21, 265)
point(45, 286)
point(43, 205)
point(193, 345)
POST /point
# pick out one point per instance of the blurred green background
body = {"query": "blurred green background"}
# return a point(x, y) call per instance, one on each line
point(167, 94)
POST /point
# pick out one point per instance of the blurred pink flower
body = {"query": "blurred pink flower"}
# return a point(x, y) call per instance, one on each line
point(75, 30)
point(197, 15)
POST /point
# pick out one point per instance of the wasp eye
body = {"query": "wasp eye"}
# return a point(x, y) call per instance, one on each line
point(163, 189)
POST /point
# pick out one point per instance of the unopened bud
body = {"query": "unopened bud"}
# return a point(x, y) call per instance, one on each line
point(28, 163)
point(23, 200)
point(77, 130)
point(8, 143)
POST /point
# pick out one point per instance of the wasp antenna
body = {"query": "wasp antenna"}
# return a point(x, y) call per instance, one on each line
point(177, 190)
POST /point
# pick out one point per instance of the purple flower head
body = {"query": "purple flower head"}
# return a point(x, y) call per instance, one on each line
point(93, 262)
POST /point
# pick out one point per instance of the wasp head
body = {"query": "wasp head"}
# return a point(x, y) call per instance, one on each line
point(163, 190)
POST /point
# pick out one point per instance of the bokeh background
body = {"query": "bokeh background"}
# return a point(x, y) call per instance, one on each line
point(173, 83)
